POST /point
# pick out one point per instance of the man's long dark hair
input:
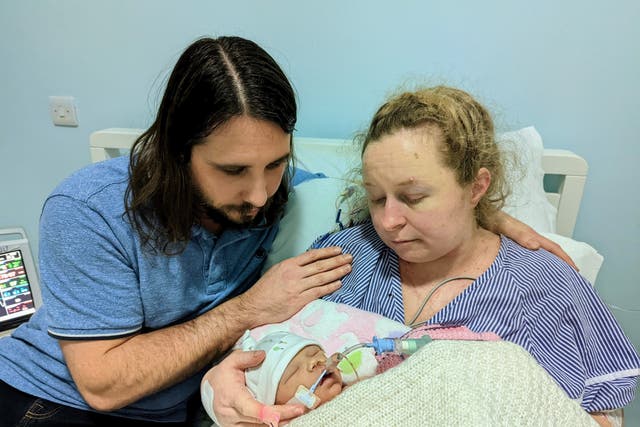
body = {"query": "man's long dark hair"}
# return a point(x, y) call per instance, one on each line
point(213, 81)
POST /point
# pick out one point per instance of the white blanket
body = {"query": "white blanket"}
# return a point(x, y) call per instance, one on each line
point(455, 383)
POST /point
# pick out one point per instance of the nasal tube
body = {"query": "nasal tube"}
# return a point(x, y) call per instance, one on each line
point(406, 346)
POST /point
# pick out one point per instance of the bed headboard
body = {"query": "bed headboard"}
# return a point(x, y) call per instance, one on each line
point(569, 170)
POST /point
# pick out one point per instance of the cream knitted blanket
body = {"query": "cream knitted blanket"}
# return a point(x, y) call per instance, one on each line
point(455, 383)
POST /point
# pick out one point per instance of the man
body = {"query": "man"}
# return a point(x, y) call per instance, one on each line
point(151, 263)
point(145, 262)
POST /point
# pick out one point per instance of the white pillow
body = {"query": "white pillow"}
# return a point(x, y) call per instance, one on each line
point(310, 213)
point(528, 201)
point(586, 257)
point(332, 157)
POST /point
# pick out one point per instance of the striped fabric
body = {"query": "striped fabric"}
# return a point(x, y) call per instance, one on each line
point(530, 298)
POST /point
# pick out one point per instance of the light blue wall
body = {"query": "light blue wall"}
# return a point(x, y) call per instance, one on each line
point(570, 68)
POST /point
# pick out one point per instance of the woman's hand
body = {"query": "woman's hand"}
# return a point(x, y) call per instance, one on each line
point(293, 283)
point(227, 400)
point(527, 237)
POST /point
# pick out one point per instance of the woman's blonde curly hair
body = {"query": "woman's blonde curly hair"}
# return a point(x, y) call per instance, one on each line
point(469, 139)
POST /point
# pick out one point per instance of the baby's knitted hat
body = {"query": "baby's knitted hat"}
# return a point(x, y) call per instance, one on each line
point(280, 347)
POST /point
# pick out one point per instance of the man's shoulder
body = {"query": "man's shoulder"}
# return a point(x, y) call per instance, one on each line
point(109, 178)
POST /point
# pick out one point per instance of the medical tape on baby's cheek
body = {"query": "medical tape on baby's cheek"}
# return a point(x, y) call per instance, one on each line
point(307, 396)
point(304, 397)
point(206, 395)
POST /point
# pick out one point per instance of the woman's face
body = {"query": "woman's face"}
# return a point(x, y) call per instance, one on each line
point(417, 205)
point(305, 368)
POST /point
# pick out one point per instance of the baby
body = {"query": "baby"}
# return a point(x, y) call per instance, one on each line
point(295, 370)
point(292, 360)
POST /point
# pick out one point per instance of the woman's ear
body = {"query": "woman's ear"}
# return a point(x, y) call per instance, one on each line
point(480, 185)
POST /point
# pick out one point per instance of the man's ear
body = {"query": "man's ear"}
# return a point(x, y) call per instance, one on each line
point(480, 185)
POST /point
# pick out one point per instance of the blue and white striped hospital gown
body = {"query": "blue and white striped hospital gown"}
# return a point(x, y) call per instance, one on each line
point(530, 298)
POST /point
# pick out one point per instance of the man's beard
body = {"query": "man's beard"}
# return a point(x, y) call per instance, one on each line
point(220, 215)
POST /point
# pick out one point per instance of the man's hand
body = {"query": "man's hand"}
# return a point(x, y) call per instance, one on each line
point(527, 237)
point(227, 400)
point(291, 284)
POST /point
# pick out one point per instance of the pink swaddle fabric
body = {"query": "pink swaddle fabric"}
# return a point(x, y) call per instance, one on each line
point(339, 326)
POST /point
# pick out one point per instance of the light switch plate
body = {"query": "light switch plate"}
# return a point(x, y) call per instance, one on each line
point(63, 110)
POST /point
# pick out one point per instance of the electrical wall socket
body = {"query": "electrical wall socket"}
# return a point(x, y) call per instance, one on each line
point(63, 110)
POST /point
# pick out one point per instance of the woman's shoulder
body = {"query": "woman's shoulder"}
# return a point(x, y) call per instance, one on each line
point(361, 236)
point(516, 254)
point(537, 266)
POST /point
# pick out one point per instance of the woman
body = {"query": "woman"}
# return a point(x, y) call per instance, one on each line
point(434, 182)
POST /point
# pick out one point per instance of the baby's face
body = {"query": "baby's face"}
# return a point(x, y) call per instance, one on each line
point(305, 368)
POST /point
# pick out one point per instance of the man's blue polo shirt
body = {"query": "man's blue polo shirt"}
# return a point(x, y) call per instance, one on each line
point(98, 283)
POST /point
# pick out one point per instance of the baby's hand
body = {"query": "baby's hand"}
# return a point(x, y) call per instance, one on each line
point(269, 416)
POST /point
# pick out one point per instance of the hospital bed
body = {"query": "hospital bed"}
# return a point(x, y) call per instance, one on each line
point(546, 193)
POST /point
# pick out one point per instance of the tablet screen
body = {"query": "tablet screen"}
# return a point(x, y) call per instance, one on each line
point(16, 296)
